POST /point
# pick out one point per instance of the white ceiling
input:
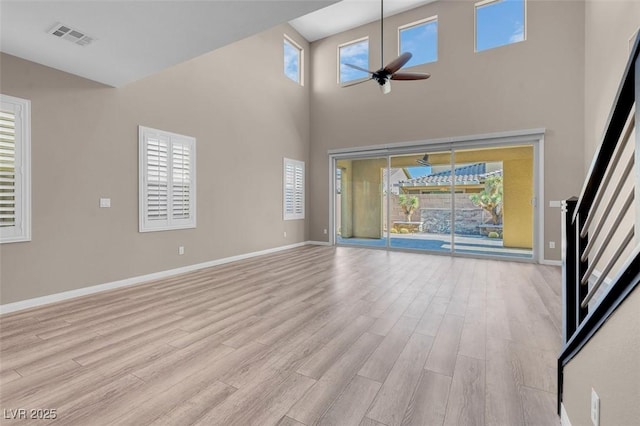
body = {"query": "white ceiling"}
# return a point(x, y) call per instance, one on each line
point(348, 14)
point(137, 38)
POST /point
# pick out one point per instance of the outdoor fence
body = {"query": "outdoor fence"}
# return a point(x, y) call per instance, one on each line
point(434, 212)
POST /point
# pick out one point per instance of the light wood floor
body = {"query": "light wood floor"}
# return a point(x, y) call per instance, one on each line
point(315, 335)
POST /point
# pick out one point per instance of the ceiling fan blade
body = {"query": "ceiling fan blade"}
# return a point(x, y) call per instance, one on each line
point(355, 83)
point(397, 63)
point(355, 67)
point(410, 76)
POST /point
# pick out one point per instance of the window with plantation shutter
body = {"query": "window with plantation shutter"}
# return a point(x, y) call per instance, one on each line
point(167, 180)
point(15, 169)
point(293, 189)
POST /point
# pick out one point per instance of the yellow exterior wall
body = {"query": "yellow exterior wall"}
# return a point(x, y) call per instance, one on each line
point(346, 199)
point(361, 187)
point(517, 217)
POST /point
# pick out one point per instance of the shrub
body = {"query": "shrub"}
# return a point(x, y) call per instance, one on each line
point(494, 234)
point(404, 231)
point(408, 205)
point(394, 231)
point(490, 198)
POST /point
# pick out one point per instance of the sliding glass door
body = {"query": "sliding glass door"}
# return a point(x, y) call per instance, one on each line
point(493, 209)
point(420, 201)
point(472, 201)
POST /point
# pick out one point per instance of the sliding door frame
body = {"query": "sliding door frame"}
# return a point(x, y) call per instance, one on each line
point(533, 137)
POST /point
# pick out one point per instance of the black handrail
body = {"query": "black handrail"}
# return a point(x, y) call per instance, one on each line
point(580, 324)
point(623, 103)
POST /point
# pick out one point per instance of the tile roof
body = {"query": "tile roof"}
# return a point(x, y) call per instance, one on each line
point(472, 174)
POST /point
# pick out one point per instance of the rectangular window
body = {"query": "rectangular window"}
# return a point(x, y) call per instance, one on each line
point(499, 22)
point(293, 189)
point(355, 53)
point(421, 40)
point(15, 169)
point(167, 180)
point(292, 60)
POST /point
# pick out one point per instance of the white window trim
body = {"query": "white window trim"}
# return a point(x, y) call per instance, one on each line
point(296, 164)
point(340, 46)
point(300, 59)
point(415, 24)
point(475, 25)
point(170, 223)
point(22, 229)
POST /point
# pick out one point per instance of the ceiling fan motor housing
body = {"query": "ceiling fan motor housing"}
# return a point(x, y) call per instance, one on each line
point(381, 77)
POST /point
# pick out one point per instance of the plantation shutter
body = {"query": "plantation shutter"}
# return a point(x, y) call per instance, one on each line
point(15, 173)
point(181, 199)
point(157, 178)
point(7, 169)
point(293, 189)
point(167, 169)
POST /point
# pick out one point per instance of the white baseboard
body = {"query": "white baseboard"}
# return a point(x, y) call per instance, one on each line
point(551, 262)
point(564, 417)
point(52, 298)
point(319, 243)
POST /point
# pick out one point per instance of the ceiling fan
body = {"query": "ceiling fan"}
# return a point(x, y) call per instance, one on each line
point(389, 72)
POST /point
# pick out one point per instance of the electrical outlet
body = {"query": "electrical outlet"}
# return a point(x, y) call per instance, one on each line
point(595, 408)
point(181, 250)
point(552, 244)
point(325, 232)
point(105, 203)
point(285, 234)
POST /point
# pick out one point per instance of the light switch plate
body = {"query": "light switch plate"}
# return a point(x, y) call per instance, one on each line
point(105, 202)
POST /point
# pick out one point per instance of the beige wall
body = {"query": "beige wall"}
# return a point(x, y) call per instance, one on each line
point(245, 114)
point(536, 83)
point(609, 364)
point(609, 25)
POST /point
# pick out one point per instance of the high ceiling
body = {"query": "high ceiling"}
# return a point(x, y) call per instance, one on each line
point(348, 14)
point(137, 38)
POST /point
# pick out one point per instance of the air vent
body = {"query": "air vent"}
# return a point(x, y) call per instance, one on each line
point(70, 34)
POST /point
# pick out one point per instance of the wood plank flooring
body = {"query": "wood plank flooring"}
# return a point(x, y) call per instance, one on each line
point(314, 335)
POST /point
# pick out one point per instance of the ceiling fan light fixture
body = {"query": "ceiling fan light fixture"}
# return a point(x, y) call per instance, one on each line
point(386, 87)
